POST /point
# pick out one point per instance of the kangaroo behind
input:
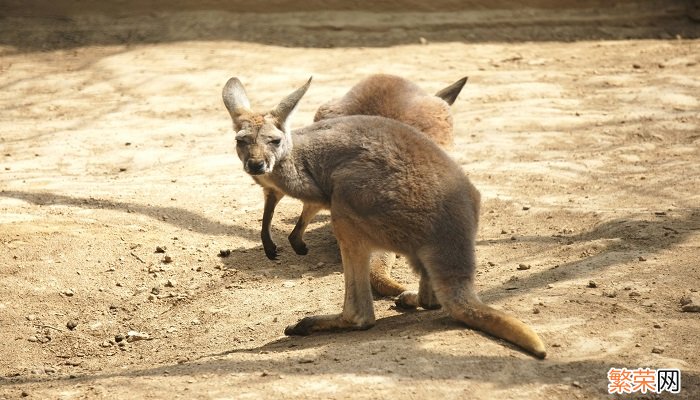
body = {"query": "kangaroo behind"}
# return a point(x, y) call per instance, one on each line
point(388, 188)
point(400, 99)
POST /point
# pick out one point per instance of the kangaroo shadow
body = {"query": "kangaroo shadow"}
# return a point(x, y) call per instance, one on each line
point(176, 216)
point(633, 235)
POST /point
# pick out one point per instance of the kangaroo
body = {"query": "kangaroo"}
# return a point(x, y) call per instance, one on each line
point(388, 188)
point(387, 96)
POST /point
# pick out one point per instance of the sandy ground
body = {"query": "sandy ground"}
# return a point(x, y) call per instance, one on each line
point(114, 141)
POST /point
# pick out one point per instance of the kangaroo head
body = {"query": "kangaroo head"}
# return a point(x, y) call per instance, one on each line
point(262, 139)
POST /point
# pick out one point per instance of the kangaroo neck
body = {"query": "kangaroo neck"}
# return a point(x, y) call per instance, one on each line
point(292, 177)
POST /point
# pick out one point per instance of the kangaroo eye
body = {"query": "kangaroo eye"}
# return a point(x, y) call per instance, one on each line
point(276, 142)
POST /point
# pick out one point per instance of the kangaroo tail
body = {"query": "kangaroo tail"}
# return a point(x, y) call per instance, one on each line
point(382, 282)
point(478, 315)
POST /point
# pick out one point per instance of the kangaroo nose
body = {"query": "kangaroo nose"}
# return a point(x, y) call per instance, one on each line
point(256, 166)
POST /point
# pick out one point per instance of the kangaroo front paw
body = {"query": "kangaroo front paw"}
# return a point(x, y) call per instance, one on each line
point(298, 245)
point(270, 250)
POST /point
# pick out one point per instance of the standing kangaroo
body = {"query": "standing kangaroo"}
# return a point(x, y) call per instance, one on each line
point(388, 188)
point(386, 96)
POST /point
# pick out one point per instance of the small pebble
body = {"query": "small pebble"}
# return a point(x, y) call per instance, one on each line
point(170, 283)
point(491, 264)
point(526, 208)
point(167, 259)
point(642, 258)
point(33, 339)
point(592, 284)
point(160, 249)
point(523, 267)
point(68, 293)
point(610, 294)
point(576, 384)
point(657, 326)
point(72, 324)
point(636, 66)
point(25, 393)
point(118, 338)
point(31, 317)
point(657, 350)
point(224, 253)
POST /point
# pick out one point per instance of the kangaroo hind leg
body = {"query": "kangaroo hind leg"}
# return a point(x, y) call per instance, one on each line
point(424, 297)
point(358, 309)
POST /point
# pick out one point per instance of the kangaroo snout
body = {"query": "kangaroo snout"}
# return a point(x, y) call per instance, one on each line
point(255, 167)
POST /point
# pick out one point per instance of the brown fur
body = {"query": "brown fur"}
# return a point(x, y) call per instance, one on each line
point(388, 188)
point(392, 97)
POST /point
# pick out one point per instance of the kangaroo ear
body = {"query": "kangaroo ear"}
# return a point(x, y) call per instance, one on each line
point(450, 93)
point(287, 106)
point(235, 98)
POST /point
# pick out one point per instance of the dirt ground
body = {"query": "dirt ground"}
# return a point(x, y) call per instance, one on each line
point(580, 127)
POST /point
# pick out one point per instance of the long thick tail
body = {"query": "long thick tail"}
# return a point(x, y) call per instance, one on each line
point(478, 315)
point(382, 282)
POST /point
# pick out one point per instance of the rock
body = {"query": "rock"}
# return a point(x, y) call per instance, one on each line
point(576, 384)
point(33, 339)
point(25, 393)
point(170, 283)
point(133, 336)
point(167, 260)
point(657, 350)
point(642, 258)
point(491, 264)
point(160, 249)
point(635, 294)
point(523, 267)
point(31, 317)
point(155, 290)
point(657, 326)
point(118, 338)
point(68, 292)
point(592, 284)
point(288, 284)
point(690, 303)
point(106, 343)
point(525, 208)
point(691, 307)
point(72, 324)
point(610, 294)
point(423, 40)
point(224, 253)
